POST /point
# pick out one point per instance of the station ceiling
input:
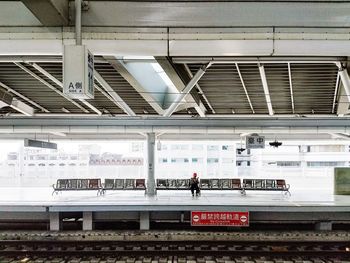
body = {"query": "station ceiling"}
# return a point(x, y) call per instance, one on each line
point(225, 89)
point(274, 59)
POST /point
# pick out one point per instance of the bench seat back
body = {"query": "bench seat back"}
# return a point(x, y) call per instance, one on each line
point(173, 184)
point(264, 184)
point(124, 184)
point(78, 184)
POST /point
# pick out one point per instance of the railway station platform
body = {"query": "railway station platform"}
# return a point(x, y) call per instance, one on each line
point(321, 208)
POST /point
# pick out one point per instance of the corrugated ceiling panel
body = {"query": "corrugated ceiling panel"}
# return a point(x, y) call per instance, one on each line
point(223, 88)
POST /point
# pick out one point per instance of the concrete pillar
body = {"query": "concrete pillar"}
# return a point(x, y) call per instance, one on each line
point(144, 220)
point(151, 139)
point(55, 221)
point(323, 226)
point(87, 221)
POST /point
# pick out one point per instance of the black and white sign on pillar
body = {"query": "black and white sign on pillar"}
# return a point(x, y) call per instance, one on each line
point(254, 141)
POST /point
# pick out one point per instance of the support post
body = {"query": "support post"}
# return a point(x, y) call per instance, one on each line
point(324, 226)
point(144, 220)
point(151, 139)
point(87, 221)
point(55, 221)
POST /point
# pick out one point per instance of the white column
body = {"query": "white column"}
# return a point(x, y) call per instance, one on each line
point(87, 221)
point(144, 220)
point(55, 222)
point(151, 138)
point(324, 226)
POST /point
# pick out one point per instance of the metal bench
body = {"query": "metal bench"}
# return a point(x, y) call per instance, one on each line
point(221, 184)
point(266, 185)
point(204, 184)
point(124, 184)
point(172, 184)
point(77, 185)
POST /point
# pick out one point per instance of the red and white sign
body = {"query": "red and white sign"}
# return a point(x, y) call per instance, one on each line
point(199, 218)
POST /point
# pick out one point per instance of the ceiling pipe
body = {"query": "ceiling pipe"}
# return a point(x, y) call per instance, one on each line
point(78, 39)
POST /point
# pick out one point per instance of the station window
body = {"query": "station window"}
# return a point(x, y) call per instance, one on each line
point(228, 160)
point(179, 160)
point(212, 160)
point(197, 160)
point(288, 163)
point(238, 163)
point(227, 147)
point(213, 147)
point(197, 147)
point(177, 147)
point(162, 160)
point(184, 147)
point(325, 164)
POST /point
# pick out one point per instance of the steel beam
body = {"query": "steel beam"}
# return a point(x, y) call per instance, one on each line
point(184, 14)
point(336, 92)
point(123, 71)
point(344, 100)
point(346, 81)
point(220, 42)
point(60, 84)
point(245, 88)
point(259, 59)
point(177, 122)
point(186, 91)
point(200, 89)
point(50, 86)
point(22, 107)
point(113, 94)
point(24, 97)
point(266, 89)
point(291, 87)
point(178, 83)
point(343, 103)
point(49, 12)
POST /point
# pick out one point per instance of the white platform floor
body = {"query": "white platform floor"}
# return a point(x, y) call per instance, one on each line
point(43, 197)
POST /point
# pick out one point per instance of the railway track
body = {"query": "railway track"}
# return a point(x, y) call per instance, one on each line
point(172, 251)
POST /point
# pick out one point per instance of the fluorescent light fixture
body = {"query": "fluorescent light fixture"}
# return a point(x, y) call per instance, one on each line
point(138, 58)
point(59, 134)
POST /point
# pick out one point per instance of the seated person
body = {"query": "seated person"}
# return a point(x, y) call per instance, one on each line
point(195, 184)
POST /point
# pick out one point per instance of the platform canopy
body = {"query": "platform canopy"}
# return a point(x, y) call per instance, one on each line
point(170, 60)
